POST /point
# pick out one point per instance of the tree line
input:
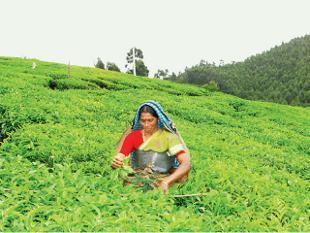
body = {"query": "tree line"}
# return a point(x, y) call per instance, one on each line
point(280, 75)
point(139, 65)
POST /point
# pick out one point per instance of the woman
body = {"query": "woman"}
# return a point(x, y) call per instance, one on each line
point(153, 142)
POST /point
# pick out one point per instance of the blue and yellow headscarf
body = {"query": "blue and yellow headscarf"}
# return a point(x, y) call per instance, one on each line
point(163, 119)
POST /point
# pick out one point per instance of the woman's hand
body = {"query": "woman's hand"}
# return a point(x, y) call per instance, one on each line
point(179, 175)
point(164, 185)
point(118, 160)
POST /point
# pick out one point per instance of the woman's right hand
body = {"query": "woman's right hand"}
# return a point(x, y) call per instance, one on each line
point(118, 160)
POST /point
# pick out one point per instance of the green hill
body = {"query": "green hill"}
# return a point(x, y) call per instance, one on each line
point(280, 75)
point(58, 134)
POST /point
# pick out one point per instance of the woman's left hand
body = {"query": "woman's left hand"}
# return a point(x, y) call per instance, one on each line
point(163, 184)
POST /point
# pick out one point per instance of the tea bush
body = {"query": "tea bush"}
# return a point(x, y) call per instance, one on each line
point(251, 159)
point(70, 83)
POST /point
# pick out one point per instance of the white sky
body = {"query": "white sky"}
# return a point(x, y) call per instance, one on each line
point(172, 34)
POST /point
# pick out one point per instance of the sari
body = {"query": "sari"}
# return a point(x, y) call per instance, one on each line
point(158, 153)
point(163, 141)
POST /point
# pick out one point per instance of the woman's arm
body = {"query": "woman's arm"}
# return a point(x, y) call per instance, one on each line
point(118, 160)
point(120, 142)
point(181, 139)
point(180, 172)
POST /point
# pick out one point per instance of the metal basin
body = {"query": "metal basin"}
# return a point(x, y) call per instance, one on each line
point(157, 161)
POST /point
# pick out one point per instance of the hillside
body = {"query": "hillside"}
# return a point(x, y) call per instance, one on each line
point(280, 75)
point(58, 134)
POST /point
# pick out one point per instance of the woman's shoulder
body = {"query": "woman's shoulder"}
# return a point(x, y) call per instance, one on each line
point(135, 133)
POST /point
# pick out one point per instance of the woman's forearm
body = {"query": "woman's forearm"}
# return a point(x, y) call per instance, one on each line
point(181, 171)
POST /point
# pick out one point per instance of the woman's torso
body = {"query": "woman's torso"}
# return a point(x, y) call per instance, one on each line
point(158, 151)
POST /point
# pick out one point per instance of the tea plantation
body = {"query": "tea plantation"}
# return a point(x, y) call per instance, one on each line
point(59, 128)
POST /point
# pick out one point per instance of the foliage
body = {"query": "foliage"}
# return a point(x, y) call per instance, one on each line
point(211, 86)
point(56, 146)
point(113, 67)
point(280, 75)
point(141, 69)
point(138, 54)
point(161, 74)
point(100, 64)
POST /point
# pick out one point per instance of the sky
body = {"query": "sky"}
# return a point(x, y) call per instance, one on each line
point(173, 34)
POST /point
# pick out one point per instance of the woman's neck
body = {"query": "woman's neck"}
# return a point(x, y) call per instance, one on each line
point(148, 134)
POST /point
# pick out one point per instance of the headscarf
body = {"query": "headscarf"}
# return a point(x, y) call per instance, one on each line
point(163, 120)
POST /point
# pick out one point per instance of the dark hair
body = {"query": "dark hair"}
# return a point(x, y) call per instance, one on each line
point(148, 109)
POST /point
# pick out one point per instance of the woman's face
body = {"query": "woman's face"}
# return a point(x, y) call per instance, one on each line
point(148, 122)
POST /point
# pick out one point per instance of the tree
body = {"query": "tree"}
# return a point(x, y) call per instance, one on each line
point(138, 54)
point(139, 66)
point(161, 74)
point(99, 64)
point(173, 77)
point(141, 69)
point(112, 66)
